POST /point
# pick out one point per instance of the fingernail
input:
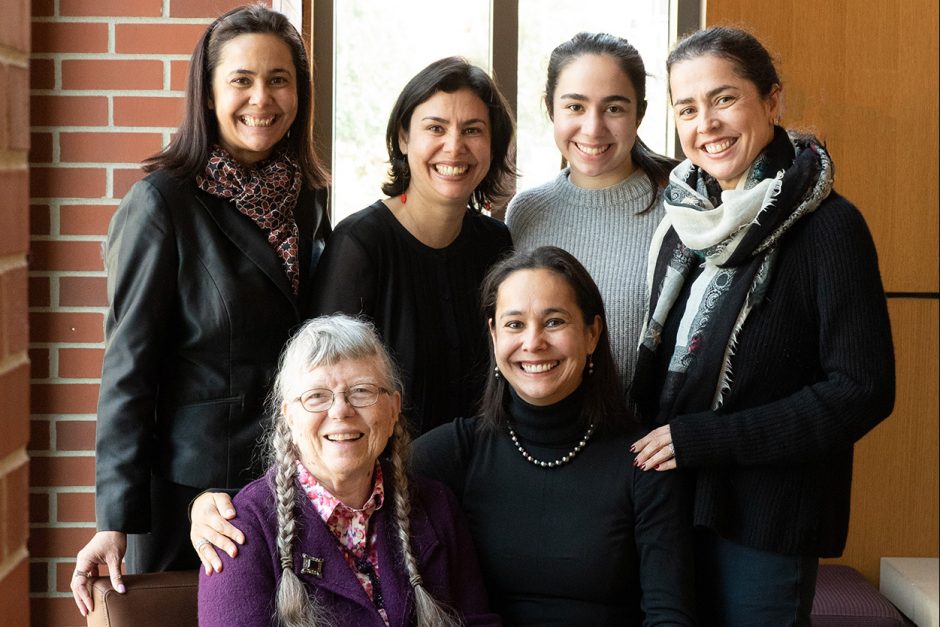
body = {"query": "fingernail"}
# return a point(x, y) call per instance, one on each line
point(633, 449)
point(208, 570)
point(231, 553)
point(121, 588)
point(230, 512)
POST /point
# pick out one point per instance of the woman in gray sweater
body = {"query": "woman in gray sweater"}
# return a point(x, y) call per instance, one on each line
point(604, 206)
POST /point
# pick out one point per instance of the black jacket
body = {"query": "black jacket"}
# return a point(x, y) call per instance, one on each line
point(200, 307)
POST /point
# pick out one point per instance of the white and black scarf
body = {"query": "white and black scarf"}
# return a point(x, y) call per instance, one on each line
point(733, 236)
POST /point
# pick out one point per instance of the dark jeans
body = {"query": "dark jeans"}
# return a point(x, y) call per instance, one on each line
point(167, 546)
point(739, 586)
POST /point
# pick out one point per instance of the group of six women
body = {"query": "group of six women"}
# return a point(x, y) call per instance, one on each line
point(730, 303)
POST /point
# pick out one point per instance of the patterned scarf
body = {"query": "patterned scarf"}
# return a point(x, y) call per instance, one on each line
point(732, 235)
point(267, 193)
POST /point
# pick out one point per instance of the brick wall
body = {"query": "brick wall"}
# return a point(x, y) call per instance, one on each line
point(105, 89)
point(14, 362)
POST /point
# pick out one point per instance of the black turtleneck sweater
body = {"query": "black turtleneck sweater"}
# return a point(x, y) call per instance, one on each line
point(593, 542)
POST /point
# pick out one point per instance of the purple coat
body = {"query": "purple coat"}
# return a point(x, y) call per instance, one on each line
point(243, 593)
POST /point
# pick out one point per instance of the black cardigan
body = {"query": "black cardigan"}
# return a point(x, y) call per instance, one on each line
point(812, 372)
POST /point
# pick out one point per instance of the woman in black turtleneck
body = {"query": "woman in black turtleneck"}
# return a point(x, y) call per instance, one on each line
point(568, 531)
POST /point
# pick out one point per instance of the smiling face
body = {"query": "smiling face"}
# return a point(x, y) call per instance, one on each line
point(339, 446)
point(539, 336)
point(594, 112)
point(722, 121)
point(448, 147)
point(254, 95)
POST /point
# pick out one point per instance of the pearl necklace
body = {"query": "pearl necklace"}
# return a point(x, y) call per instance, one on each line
point(561, 460)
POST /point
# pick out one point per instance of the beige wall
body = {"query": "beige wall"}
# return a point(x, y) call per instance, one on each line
point(863, 75)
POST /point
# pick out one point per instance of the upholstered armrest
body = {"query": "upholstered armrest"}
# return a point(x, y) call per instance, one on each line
point(152, 599)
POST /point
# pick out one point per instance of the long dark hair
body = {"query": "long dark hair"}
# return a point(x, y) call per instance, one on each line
point(749, 57)
point(656, 166)
point(187, 153)
point(603, 395)
point(449, 75)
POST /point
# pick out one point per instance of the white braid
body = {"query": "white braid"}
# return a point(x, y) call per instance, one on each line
point(428, 610)
point(294, 607)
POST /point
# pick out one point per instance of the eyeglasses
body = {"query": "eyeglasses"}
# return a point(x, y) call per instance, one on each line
point(360, 395)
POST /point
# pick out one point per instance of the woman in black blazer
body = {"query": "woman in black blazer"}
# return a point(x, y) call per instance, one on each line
point(210, 261)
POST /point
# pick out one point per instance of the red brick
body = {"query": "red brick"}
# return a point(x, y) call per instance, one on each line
point(41, 74)
point(64, 398)
point(39, 363)
point(14, 203)
point(39, 508)
point(67, 182)
point(13, 308)
point(124, 179)
point(40, 148)
point(66, 255)
point(62, 471)
point(66, 327)
point(83, 291)
point(14, 601)
point(59, 542)
point(55, 611)
point(85, 219)
point(16, 485)
point(14, 419)
point(39, 577)
point(111, 8)
point(14, 27)
point(75, 435)
point(145, 111)
point(40, 435)
point(204, 8)
point(40, 220)
point(156, 38)
point(40, 291)
point(43, 8)
point(108, 147)
point(76, 507)
point(5, 102)
point(69, 110)
point(179, 74)
point(17, 86)
point(69, 37)
point(111, 74)
point(80, 363)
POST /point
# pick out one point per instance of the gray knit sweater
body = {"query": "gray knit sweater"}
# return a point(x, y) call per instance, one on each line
point(608, 232)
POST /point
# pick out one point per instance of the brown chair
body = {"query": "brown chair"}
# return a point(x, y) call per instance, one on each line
point(152, 599)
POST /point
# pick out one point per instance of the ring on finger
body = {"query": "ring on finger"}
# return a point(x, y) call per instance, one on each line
point(672, 450)
point(201, 543)
point(87, 574)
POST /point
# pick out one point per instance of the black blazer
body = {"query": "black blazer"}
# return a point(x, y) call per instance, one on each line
point(200, 307)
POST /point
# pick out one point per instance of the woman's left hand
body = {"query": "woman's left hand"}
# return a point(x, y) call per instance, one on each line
point(211, 513)
point(655, 451)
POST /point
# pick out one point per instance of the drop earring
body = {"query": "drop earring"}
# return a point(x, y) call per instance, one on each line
point(590, 364)
point(496, 372)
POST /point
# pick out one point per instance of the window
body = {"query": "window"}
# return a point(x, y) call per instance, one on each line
point(365, 52)
point(378, 47)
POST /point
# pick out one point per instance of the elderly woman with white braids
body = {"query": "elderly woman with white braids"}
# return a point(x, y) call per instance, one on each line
point(337, 532)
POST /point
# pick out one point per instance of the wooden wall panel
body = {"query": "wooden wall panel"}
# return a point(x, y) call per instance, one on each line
point(895, 487)
point(863, 75)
